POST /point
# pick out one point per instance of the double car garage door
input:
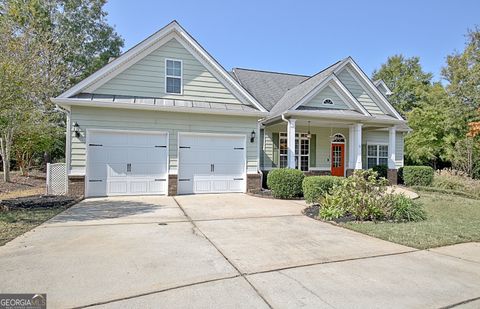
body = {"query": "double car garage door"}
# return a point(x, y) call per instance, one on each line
point(136, 163)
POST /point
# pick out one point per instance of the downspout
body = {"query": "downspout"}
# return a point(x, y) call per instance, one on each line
point(68, 137)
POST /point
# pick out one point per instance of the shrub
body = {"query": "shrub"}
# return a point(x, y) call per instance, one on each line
point(315, 187)
point(450, 179)
point(359, 195)
point(404, 209)
point(418, 175)
point(285, 183)
point(363, 196)
point(381, 170)
point(400, 176)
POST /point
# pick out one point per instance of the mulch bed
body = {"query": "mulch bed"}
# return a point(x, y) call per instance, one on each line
point(19, 182)
point(264, 193)
point(311, 211)
point(34, 202)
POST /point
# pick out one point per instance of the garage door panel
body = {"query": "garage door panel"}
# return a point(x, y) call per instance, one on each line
point(127, 163)
point(227, 155)
point(98, 171)
point(117, 187)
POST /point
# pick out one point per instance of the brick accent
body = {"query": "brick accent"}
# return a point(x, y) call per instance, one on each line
point(392, 176)
point(76, 186)
point(172, 184)
point(318, 173)
point(254, 182)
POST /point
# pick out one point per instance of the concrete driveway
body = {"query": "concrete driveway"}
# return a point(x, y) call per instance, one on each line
point(223, 251)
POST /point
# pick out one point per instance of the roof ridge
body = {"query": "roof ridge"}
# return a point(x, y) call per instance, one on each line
point(323, 70)
point(273, 72)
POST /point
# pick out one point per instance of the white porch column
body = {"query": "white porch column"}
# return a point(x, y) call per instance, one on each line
point(291, 142)
point(392, 132)
point(358, 145)
point(351, 153)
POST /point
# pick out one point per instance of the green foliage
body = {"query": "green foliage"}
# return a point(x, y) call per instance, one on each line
point(404, 209)
point(381, 170)
point(315, 187)
point(418, 175)
point(463, 71)
point(406, 79)
point(454, 180)
point(359, 195)
point(285, 183)
point(363, 196)
point(400, 180)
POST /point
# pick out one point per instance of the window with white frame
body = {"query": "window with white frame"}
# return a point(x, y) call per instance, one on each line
point(173, 76)
point(328, 102)
point(377, 155)
point(302, 151)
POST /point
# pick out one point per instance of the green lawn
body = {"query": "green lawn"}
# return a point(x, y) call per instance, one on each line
point(16, 222)
point(451, 220)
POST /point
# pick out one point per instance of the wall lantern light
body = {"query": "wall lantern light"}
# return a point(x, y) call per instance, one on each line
point(76, 129)
point(252, 136)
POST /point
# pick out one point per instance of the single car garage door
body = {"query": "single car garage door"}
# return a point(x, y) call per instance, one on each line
point(211, 163)
point(126, 163)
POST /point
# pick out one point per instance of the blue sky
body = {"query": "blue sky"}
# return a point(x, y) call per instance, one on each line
point(305, 36)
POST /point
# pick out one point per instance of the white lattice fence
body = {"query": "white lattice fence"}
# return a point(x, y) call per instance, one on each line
point(57, 180)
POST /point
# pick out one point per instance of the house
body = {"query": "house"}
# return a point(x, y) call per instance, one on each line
point(166, 118)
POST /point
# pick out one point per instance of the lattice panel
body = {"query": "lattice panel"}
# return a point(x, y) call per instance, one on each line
point(57, 179)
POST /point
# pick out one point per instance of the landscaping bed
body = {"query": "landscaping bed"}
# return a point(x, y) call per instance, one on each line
point(450, 220)
point(19, 186)
point(20, 215)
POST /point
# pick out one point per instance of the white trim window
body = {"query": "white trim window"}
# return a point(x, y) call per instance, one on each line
point(328, 101)
point(302, 151)
point(377, 155)
point(173, 76)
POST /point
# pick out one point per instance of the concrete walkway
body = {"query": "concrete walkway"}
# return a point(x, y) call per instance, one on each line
point(222, 251)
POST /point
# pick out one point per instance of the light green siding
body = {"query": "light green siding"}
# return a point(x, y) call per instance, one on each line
point(147, 78)
point(327, 93)
point(381, 137)
point(173, 123)
point(359, 92)
point(322, 141)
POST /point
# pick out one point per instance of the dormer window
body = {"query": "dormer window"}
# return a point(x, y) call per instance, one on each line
point(328, 102)
point(173, 76)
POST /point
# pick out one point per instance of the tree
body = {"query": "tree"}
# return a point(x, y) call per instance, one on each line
point(438, 122)
point(19, 84)
point(46, 45)
point(407, 80)
point(463, 71)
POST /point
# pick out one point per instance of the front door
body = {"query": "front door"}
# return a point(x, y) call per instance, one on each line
point(338, 159)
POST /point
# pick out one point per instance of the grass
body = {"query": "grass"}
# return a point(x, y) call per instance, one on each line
point(451, 219)
point(16, 222)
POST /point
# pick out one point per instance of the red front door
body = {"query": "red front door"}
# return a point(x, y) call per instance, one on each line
point(338, 159)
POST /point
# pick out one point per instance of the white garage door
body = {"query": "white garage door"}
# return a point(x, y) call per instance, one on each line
point(211, 164)
point(126, 163)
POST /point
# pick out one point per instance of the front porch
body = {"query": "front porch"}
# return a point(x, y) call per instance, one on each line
point(326, 147)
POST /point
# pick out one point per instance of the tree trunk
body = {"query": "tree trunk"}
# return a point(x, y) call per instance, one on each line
point(5, 146)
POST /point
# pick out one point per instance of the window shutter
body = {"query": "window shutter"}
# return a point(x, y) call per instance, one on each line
point(313, 150)
point(276, 151)
point(364, 156)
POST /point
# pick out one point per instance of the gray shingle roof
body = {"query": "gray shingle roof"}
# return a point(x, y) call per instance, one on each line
point(291, 97)
point(267, 87)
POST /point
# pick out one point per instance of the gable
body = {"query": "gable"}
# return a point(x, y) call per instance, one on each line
point(359, 92)
point(327, 93)
point(146, 78)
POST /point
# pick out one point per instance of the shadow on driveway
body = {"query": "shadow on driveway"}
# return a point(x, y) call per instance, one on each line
point(118, 210)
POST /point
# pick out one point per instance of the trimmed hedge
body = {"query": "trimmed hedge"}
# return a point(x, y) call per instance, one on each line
point(315, 187)
point(285, 183)
point(381, 170)
point(417, 175)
